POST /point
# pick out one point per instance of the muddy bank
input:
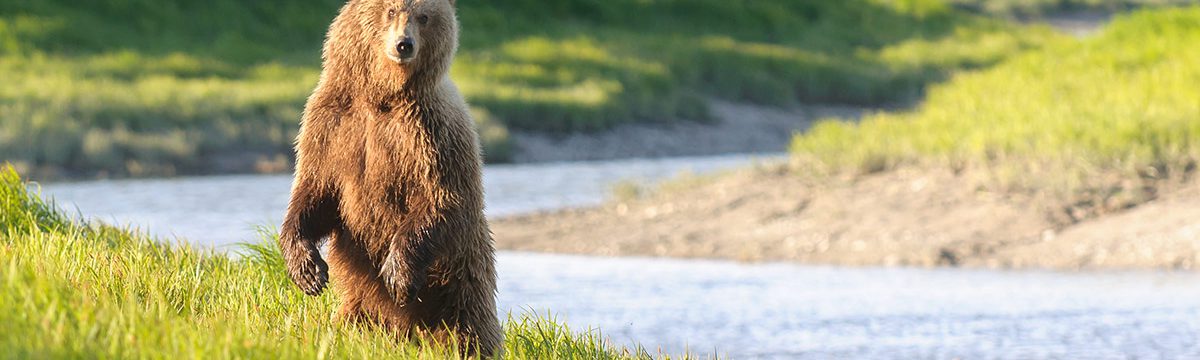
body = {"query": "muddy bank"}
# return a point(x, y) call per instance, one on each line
point(736, 129)
point(901, 218)
point(1079, 24)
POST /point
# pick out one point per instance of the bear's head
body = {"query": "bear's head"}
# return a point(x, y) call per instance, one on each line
point(392, 44)
point(417, 35)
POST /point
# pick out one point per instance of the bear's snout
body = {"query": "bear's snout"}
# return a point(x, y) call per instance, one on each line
point(406, 48)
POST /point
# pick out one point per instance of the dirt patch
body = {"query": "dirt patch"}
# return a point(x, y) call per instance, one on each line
point(737, 128)
point(900, 218)
point(1079, 24)
point(1164, 233)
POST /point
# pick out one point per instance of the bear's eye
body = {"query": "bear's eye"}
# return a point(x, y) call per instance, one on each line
point(391, 14)
point(423, 19)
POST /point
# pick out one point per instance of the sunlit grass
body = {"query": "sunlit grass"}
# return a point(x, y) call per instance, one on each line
point(75, 289)
point(108, 111)
point(1107, 117)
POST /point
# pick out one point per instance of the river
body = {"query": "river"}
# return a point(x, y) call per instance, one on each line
point(726, 308)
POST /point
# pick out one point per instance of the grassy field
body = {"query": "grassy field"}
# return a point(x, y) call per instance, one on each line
point(138, 87)
point(71, 289)
point(1102, 121)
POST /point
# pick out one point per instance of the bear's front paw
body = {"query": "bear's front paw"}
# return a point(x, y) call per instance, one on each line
point(403, 285)
point(310, 273)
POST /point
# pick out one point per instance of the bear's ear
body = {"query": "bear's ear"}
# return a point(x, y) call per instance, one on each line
point(453, 3)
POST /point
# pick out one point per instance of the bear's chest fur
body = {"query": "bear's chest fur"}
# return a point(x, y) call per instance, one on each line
point(401, 180)
point(396, 175)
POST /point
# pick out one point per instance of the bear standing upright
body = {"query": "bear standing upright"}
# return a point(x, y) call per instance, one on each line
point(388, 169)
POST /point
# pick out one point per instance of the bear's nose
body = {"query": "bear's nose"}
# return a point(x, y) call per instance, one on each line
point(405, 48)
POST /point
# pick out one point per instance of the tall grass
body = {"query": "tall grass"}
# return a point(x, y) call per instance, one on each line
point(162, 87)
point(1107, 117)
point(71, 289)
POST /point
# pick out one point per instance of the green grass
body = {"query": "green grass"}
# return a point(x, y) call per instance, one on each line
point(72, 289)
point(139, 87)
point(1105, 119)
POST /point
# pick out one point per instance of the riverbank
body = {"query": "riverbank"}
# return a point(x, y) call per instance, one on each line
point(1073, 156)
point(735, 128)
point(906, 217)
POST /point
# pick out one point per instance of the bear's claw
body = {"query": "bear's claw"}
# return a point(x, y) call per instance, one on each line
point(312, 279)
point(310, 275)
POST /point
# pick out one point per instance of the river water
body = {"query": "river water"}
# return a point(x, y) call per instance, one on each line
point(725, 308)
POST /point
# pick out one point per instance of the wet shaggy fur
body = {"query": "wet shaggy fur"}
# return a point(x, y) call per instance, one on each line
point(388, 170)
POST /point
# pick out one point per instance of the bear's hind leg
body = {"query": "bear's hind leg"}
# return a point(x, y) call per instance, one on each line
point(464, 306)
point(357, 282)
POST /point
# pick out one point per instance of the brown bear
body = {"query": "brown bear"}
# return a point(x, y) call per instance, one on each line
point(388, 169)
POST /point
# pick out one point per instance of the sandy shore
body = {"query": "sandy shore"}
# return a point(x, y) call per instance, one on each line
point(901, 218)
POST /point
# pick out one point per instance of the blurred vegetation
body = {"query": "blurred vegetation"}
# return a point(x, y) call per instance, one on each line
point(141, 87)
point(1102, 121)
point(73, 289)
